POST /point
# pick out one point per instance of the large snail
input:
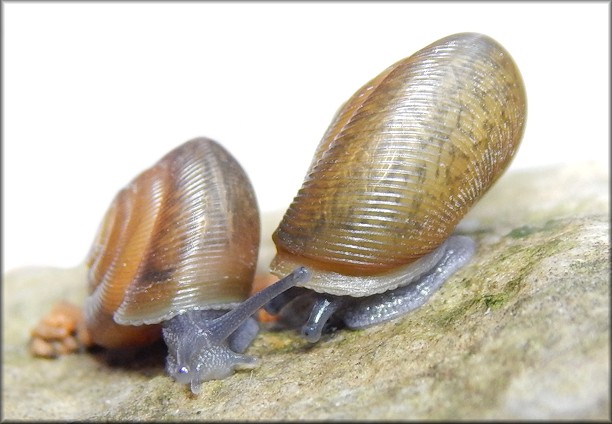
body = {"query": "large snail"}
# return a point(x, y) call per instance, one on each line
point(402, 162)
point(175, 252)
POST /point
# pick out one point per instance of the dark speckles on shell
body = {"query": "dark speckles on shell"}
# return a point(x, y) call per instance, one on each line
point(406, 157)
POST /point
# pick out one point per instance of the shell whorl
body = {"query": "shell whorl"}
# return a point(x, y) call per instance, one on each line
point(405, 158)
point(182, 235)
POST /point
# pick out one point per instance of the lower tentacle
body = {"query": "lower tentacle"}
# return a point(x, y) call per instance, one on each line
point(322, 310)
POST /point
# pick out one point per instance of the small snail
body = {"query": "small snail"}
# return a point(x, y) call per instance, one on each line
point(402, 162)
point(175, 252)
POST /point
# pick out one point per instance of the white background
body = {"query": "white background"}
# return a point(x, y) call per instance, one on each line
point(94, 93)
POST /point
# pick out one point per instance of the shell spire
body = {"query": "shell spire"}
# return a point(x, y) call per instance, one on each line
point(172, 241)
point(405, 158)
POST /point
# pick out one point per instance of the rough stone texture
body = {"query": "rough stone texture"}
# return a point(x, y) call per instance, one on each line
point(521, 332)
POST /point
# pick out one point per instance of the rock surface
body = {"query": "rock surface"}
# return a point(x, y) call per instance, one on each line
point(522, 332)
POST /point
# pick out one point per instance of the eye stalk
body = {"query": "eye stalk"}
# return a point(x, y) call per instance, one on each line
point(209, 344)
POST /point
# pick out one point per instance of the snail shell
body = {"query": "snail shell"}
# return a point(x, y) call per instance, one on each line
point(402, 162)
point(175, 256)
point(183, 235)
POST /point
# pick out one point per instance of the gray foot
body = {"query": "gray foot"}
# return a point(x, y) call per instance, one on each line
point(367, 311)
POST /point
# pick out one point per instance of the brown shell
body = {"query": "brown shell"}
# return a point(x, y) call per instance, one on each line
point(405, 158)
point(182, 235)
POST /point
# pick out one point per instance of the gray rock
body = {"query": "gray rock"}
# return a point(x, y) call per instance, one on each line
point(521, 332)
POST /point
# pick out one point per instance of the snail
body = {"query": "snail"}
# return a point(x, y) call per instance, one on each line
point(175, 257)
point(401, 163)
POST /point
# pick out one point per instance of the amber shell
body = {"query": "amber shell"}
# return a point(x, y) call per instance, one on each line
point(405, 158)
point(183, 235)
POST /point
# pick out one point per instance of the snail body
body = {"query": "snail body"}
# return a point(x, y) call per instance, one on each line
point(175, 257)
point(402, 162)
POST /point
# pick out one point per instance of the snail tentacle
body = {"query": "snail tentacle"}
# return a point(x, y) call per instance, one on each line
point(323, 308)
point(225, 325)
point(204, 346)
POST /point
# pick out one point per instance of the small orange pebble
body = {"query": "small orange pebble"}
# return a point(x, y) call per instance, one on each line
point(60, 332)
point(261, 281)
